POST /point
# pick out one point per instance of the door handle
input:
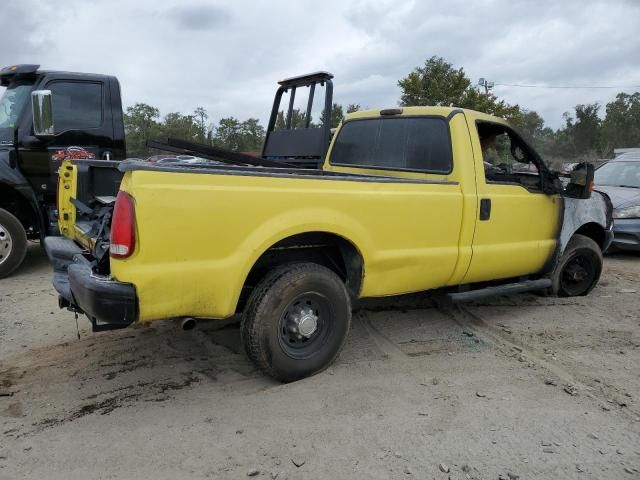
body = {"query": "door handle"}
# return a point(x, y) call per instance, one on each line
point(485, 208)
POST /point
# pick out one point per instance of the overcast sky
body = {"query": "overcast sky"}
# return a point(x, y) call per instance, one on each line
point(228, 56)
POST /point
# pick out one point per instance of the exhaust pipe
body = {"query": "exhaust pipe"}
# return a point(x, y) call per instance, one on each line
point(188, 323)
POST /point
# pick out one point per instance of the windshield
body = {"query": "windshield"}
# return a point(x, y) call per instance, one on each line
point(619, 174)
point(12, 102)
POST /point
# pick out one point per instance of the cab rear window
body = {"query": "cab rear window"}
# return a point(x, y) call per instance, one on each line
point(421, 144)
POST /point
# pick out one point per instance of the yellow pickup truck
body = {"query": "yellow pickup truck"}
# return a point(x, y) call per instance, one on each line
point(406, 200)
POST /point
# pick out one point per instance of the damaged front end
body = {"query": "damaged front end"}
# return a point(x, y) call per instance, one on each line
point(586, 211)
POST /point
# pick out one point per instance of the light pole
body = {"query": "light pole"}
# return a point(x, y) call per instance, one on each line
point(488, 86)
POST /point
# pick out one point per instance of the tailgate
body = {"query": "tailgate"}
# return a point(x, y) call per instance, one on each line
point(86, 197)
point(86, 194)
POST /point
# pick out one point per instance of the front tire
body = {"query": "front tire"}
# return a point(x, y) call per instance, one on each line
point(579, 268)
point(13, 243)
point(296, 321)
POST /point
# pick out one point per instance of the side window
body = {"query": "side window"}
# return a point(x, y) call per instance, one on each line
point(505, 156)
point(76, 105)
point(400, 143)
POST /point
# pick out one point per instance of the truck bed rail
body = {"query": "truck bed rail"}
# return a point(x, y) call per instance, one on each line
point(311, 173)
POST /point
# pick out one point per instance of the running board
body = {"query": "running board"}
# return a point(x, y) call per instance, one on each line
point(498, 290)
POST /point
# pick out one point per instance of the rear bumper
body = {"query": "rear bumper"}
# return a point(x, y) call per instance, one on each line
point(626, 234)
point(107, 303)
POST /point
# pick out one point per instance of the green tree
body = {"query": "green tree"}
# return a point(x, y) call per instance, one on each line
point(201, 116)
point(238, 136)
point(530, 125)
point(586, 129)
point(353, 107)
point(584, 134)
point(252, 135)
point(297, 119)
point(474, 99)
point(228, 134)
point(439, 83)
point(337, 115)
point(141, 125)
point(183, 127)
point(621, 125)
point(436, 83)
point(581, 135)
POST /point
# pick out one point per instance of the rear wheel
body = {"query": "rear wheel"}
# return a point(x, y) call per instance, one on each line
point(296, 321)
point(13, 243)
point(579, 268)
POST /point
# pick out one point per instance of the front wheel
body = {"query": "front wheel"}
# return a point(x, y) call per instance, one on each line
point(296, 321)
point(13, 243)
point(579, 268)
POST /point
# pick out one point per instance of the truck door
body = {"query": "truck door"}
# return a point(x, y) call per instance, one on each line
point(517, 224)
point(417, 227)
point(80, 132)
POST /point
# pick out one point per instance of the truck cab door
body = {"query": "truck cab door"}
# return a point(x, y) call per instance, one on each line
point(517, 224)
point(83, 129)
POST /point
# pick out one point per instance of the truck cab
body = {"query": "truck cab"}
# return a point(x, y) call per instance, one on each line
point(88, 123)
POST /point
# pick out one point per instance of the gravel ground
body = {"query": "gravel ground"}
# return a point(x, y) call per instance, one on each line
point(525, 387)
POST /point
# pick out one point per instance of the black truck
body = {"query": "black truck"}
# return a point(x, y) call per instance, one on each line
point(78, 115)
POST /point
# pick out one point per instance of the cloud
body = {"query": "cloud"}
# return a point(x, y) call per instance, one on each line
point(22, 35)
point(199, 17)
point(227, 57)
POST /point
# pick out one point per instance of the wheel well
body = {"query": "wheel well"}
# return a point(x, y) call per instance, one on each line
point(17, 205)
point(594, 231)
point(327, 249)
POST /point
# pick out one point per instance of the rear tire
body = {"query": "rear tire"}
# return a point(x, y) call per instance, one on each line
point(13, 243)
point(296, 321)
point(579, 268)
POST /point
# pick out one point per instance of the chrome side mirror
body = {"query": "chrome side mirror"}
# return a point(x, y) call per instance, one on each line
point(42, 108)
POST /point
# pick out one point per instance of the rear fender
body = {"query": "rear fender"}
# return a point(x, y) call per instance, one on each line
point(272, 232)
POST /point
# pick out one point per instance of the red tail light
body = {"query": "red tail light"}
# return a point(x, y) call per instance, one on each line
point(123, 227)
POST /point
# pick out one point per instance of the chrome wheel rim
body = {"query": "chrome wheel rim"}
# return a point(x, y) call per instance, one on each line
point(6, 244)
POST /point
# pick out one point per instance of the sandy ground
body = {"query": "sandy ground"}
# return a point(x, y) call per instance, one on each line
point(525, 387)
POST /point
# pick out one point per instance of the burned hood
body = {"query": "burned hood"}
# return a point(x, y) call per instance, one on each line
point(621, 196)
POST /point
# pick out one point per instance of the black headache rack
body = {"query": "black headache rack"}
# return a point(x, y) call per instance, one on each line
point(293, 146)
point(303, 147)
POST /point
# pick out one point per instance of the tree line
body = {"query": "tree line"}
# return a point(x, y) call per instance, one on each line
point(584, 135)
point(143, 123)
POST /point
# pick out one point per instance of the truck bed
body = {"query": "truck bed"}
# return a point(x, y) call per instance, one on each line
point(201, 228)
